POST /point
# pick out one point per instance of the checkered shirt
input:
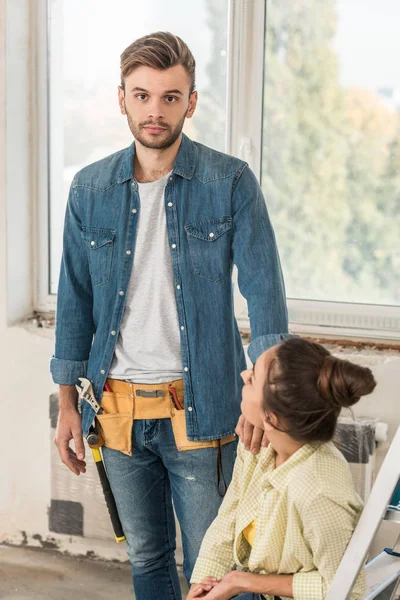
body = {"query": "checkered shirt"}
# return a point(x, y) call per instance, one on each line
point(305, 511)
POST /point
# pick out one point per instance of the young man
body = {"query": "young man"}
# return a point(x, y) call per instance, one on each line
point(145, 308)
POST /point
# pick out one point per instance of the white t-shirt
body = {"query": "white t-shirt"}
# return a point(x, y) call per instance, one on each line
point(148, 347)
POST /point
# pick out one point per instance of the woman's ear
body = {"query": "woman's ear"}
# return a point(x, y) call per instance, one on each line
point(270, 422)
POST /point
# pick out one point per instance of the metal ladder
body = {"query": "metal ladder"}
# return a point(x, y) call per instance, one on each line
point(383, 503)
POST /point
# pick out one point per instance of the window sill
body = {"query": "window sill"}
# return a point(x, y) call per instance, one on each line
point(46, 321)
point(338, 338)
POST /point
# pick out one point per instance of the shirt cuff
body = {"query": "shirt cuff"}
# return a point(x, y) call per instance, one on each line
point(261, 343)
point(67, 372)
point(308, 586)
point(207, 568)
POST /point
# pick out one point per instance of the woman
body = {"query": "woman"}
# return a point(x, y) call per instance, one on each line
point(290, 511)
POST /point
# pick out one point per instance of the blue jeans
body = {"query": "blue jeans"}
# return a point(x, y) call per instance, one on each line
point(145, 485)
point(251, 596)
point(248, 596)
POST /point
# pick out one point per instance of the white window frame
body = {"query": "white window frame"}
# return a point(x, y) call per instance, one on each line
point(45, 164)
point(17, 176)
point(246, 33)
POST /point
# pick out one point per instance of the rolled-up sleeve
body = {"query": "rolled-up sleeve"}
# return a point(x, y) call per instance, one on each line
point(263, 342)
point(328, 527)
point(66, 371)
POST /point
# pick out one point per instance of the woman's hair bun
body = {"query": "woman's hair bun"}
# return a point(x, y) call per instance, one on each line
point(342, 383)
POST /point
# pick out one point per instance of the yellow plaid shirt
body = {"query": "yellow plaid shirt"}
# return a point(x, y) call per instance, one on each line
point(306, 511)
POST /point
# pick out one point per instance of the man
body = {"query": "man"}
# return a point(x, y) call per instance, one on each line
point(145, 308)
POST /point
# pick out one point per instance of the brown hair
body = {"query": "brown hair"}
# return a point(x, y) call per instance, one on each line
point(160, 50)
point(307, 387)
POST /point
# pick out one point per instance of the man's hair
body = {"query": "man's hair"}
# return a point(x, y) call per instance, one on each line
point(161, 50)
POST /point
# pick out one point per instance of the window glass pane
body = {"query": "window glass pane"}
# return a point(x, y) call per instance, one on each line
point(87, 38)
point(331, 146)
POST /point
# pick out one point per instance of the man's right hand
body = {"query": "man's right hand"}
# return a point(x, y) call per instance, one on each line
point(69, 428)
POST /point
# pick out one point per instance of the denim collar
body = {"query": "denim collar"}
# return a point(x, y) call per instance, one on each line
point(184, 165)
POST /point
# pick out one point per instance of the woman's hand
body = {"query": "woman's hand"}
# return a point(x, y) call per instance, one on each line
point(200, 590)
point(224, 589)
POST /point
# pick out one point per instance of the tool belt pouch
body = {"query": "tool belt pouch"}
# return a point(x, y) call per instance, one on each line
point(178, 421)
point(115, 424)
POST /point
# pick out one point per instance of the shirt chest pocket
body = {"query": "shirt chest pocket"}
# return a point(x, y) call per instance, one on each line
point(210, 247)
point(100, 246)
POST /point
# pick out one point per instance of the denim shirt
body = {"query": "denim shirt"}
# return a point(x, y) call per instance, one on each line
point(216, 217)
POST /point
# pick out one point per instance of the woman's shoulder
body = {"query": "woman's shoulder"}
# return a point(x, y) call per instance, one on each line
point(325, 473)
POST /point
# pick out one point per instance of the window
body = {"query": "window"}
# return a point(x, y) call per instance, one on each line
point(331, 154)
point(86, 40)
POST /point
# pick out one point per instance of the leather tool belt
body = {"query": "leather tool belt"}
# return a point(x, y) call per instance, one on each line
point(127, 402)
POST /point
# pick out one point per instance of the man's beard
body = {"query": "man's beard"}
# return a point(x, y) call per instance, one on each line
point(168, 138)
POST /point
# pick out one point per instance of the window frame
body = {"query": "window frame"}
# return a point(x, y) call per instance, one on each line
point(246, 40)
point(43, 299)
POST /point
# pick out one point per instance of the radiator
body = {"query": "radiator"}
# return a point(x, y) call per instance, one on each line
point(356, 439)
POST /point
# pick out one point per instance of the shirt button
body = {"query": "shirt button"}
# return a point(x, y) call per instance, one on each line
point(182, 327)
point(134, 211)
point(190, 408)
point(178, 287)
point(113, 332)
point(186, 369)
point(102, 371)
point(170, 178)
point(174, 246)
point(92, 243)
point(128, 252)
point(212, 235)
point(170, 204)
point(121, 293)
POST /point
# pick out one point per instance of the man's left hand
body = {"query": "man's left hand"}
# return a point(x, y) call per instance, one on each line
point(252, 437)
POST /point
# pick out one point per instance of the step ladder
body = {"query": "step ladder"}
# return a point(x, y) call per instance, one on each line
point(383, 503)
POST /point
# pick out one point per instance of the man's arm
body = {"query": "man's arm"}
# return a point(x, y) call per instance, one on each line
point(74, 318)
point(259, 271)
point(260, 281)
point(74, 334)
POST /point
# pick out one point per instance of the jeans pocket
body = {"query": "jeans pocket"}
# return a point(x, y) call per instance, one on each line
point(210, 248)
point(100, 245)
